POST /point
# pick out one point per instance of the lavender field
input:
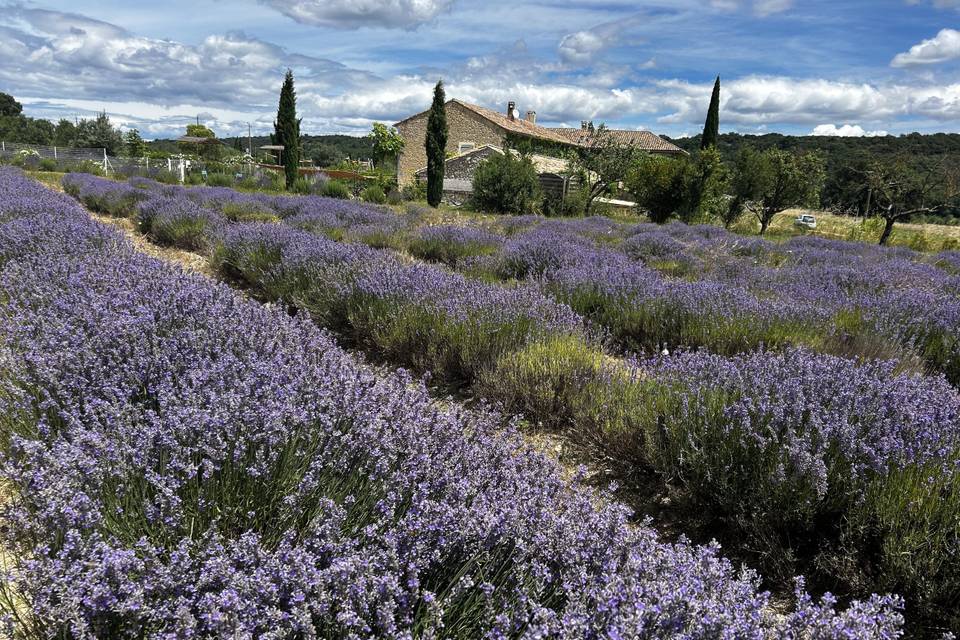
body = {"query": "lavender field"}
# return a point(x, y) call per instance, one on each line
point(183, 460)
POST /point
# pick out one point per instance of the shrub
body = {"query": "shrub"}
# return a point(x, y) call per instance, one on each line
point(563, 383)
point(302, 186)
point(451, 244)
point(374, 194)
point(248, 182)
point(335, 189)
point(659, 185)
point(220, 180)
point(104, 196)
point(800, 449)
point(166, 176)
point(574, 204)
point(86, 166)
point(178, 222)
point(48, 164)
point(248, 211)
point(193, 179)
point(506, 183)
point(394, 197)
point(415, 192)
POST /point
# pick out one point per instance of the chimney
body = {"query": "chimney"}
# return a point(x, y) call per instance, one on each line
point(532, 117)
point(511, 107)
point(583, 125)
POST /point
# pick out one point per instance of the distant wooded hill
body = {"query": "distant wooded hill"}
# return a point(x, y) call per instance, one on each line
point(835, 148)
point(845, 158)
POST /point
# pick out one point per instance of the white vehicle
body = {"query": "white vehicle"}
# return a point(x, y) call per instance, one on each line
point(805, 220)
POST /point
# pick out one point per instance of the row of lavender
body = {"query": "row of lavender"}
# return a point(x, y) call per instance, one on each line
point(851, 468)
point(652, 286)
point(686, 286)
point(181, 462)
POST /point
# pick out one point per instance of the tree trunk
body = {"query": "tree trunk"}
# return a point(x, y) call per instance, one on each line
point(887, 229)
point(595, 192)
point(764, 223)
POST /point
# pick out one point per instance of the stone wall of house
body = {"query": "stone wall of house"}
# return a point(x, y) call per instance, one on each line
point(464, 126)
point(461, 167)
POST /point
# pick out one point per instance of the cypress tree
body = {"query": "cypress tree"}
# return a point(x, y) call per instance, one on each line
point(436, 146)
point(287, 130)
point(711, 129)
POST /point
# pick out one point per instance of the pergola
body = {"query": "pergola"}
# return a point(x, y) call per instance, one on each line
point(275, 147)
point(200, 141)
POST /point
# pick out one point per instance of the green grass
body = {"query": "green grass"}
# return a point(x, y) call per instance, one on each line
point(920, 237)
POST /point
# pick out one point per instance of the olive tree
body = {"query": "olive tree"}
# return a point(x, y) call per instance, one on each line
point(897, 190)
point(770, 181)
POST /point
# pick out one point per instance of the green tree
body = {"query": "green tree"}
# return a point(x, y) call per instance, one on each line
point(208, 150)
point(605, 163)
point(65, 133)
point(387, 143)
point(659, 185)
point(436, 146)
point(506, 183)
point(768, 182)
point(136, 147)
point(286, 130)
point(200, 131)
point(99, 132)
point(9, 106)
point(711, 128)
point(897, 190)
point(20, 128)
point(705, 187)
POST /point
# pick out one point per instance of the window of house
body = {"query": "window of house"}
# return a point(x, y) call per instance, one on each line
point(465, 147)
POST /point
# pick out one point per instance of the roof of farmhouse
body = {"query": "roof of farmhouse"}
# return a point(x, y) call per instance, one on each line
point(646, 140)
point(583, 137)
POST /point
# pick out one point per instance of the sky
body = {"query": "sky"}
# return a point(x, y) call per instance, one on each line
point(824, 67)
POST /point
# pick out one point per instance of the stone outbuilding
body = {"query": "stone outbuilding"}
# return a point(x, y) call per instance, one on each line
point(554, 174)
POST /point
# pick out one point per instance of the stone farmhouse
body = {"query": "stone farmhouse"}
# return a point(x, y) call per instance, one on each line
point(475, 132)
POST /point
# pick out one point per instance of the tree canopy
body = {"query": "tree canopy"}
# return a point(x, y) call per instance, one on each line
point(9, 106)
point(768, 182)
point(711, 128)
point(287, 130)
point(436, 145)
point(387, 142)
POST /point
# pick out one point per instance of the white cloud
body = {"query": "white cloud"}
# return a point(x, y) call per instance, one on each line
point(580, 47)
point(941, 48)
point(940, 4)
point(62, 54)
point(761, 8)
point(769, 7)
point(845, 131)
point(762, 99)
point(353, 14)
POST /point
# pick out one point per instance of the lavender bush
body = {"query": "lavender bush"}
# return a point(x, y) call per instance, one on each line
point(530, 351)
point(451, 244)
point(186, 463)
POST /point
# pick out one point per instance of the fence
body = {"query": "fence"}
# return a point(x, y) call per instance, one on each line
point(64, 155)
point(180, 166)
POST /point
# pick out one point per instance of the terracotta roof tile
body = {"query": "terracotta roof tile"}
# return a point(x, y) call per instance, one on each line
point(646, 140)
point(517, 125)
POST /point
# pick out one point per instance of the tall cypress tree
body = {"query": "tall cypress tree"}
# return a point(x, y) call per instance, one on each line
point(286, 130)
point(711, 129)
point(436, 146)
